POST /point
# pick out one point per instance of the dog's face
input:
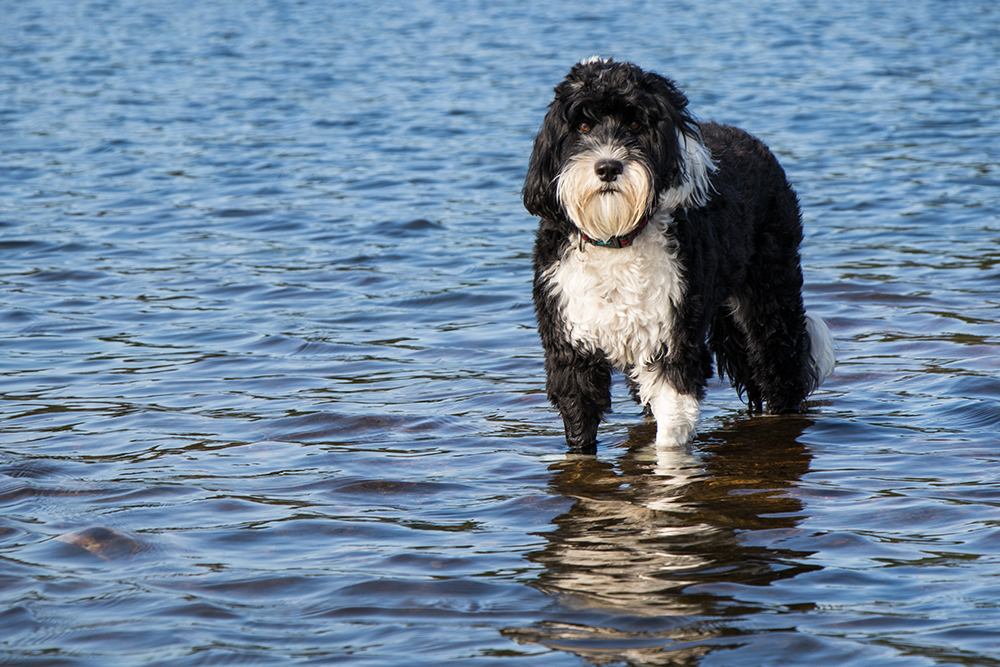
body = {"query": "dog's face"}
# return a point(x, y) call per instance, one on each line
point(615, 144)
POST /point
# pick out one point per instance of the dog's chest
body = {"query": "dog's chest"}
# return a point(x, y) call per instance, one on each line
point(619, 301)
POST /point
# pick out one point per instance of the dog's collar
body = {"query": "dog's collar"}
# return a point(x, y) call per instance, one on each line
point(622, 241)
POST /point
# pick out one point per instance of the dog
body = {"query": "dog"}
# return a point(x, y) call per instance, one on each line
point(663, 242)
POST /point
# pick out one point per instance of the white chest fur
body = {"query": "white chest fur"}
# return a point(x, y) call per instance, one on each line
point(619, 301)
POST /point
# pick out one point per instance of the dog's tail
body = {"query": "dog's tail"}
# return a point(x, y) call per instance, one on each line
point(822, 356)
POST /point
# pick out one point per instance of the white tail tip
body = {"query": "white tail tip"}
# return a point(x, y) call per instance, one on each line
point(822, 357)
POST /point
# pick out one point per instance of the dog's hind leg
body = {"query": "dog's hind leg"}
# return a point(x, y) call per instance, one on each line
point(773, 322)
point(728, 341)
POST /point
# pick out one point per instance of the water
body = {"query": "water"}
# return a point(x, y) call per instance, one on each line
point(272, 392)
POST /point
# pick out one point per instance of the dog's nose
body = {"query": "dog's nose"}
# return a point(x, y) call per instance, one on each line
point(609, 170)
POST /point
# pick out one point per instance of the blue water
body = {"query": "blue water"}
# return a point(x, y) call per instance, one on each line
point(272, 393)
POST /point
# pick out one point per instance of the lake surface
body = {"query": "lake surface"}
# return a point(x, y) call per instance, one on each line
point(272, 392)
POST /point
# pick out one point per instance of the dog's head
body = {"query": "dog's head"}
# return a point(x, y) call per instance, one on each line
point(616, 144)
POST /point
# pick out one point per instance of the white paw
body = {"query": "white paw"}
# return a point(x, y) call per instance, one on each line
point(673, 435)
point(676, 416)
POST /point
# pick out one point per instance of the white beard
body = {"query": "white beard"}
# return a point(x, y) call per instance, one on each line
point(604, 210)
point(602, 214)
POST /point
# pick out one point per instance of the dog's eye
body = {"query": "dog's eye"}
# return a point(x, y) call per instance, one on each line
point(634, 126)
point(584, 127)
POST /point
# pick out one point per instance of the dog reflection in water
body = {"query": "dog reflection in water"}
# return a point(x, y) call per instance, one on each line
point(644, 531)
point(662, 242)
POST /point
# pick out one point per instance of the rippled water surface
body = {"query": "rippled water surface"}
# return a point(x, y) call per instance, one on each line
point(272, 393)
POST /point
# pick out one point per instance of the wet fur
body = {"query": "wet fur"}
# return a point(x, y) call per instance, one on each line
point(715, 273)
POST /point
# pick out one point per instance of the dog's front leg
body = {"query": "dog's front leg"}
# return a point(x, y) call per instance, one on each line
point(676, 413)
point(579, 386)
point(673, 384)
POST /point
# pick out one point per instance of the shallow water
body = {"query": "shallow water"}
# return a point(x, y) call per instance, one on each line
point(272, 392)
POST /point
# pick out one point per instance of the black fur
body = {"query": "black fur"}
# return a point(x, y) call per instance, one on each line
point(739, 251)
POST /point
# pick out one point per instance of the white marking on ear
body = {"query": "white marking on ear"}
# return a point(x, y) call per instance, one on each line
point(696, 164)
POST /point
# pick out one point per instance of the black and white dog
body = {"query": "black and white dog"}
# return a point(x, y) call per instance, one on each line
point(662, 241)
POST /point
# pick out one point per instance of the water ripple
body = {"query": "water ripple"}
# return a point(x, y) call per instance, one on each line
point(272, 392)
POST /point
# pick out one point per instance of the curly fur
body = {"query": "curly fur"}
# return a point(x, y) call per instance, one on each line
point(715, 272)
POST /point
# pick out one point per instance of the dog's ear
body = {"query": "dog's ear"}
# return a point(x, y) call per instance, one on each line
point(539, 191)
point(669, 92)
point(678, 140)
